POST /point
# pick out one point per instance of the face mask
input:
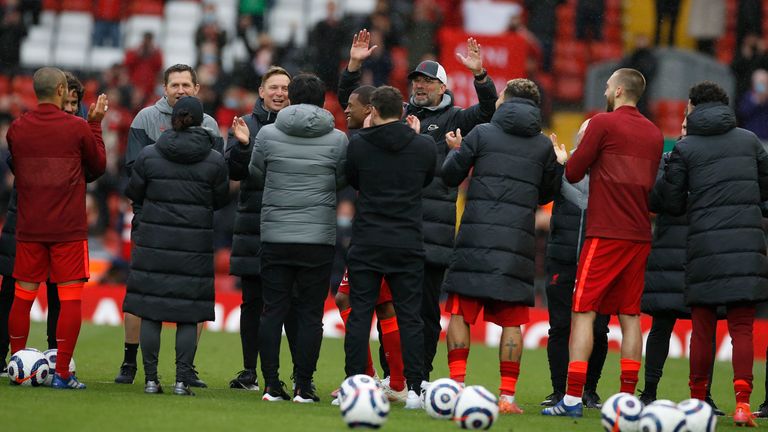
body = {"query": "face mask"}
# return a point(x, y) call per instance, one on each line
point(344, 221)
point(230, 103)
point(760, 87)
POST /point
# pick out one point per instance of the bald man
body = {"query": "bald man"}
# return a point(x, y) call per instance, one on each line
point(52, 230)
point(621, 149)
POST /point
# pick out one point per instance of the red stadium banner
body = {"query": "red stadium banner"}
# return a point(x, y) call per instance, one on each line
point(102, 305)
point(504, 58)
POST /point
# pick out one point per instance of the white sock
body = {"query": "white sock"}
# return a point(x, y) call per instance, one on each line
point(571, 400)
point(509, 398)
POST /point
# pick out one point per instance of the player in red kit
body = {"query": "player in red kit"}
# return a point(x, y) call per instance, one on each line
point(622, 150)
point(51, 151)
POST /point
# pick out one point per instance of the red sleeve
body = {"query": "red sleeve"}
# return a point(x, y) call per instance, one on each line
point(586, 154)
point(94, 154)
point(345, 280)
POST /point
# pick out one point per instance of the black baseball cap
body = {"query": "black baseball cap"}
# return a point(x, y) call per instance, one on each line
point(431, 69)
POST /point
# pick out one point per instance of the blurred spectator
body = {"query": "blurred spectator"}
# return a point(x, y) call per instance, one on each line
point(387, 22)
point(255, 10)
point(589, 19)
point(12, 32)
point(144, 64)
point(666, 11)
point(706, 23)
point(106, 26)
point(209, 38)
point(753, 106)
point(749, 19)
point(248, 74)
point(542, 22)
point(516, 26)
point(378, 67)
point(30, 11)
point(644, 60)
point(427, 18)
point(750, 57)
point(229, 108)
point(326, 41)
point(345, 212)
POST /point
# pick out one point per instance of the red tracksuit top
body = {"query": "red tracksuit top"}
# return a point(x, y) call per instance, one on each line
point(621, 150)
point(50, 150)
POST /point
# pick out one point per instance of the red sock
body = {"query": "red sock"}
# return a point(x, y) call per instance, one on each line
point(629, 372)
point(509, 372)
point(577, 377)
point(391, 340)
point(68, 328)
point(18, 320)
point(457, 363)
point(369, 368)
point(743, 389)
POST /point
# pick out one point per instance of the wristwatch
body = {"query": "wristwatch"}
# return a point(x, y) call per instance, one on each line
point(482, 75)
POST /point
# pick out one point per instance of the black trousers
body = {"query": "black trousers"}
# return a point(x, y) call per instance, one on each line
point(7, 292)
point(305, 268)
point(403, 270)
point(430, 313)
point(559, 303)
point(186, 345)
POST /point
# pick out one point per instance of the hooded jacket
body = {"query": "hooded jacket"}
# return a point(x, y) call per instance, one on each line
point(718, 175)
point(566, 231)
point(178, 183)
point(389, 165)
point(299, 163)
point(439, 199)
point(515, 170)
point(246, 241)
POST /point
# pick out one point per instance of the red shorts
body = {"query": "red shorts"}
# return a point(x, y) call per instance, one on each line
point(611, 276)
point(61, 262)
point(505, 314)
point(385, 295)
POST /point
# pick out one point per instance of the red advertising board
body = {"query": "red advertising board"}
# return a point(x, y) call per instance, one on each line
point(102, 306)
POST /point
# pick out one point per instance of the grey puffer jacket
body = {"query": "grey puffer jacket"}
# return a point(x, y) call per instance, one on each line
point(299, 162)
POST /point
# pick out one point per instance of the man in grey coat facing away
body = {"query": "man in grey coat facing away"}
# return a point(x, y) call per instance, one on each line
point(299, 161)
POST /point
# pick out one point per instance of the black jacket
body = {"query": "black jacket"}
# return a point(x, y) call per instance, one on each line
point(665, 271)
point(439, 199)
point(718, 173)
point(566, 235)
point(180, 181)
point(389, 165)
point(8, 238)
point(246, 241)
point(515, 170)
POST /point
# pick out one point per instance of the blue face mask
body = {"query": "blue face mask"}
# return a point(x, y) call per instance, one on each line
point(760, 87)
point(343, 221)
point(231, 103)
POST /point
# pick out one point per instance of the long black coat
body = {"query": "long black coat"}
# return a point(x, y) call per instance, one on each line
point(246, 241)
point(8, 238)
point(665, 272)
point(180, 181)
point(719, 174)
point(515, 170)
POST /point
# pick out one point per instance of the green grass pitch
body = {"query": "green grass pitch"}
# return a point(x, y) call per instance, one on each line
point(105, 406)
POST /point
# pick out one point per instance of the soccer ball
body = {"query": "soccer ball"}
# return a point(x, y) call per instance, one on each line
point(698, 415)
point(621, 411)
point(51, 355)
point(476, 408)
point(362, 402)
point(665, 402)
point(662, 418)
point(441, 398)
point(28, 367)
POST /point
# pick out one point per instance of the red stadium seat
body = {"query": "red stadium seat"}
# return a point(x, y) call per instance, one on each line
point(600, 51)
point(22, 85)
point(612, 33)
point(77, 5)
point(5, 85)
point(668, 115)
point(399, 76)
point(146, 7)
point(52, 5)
point(565, 65)
point(569, 89)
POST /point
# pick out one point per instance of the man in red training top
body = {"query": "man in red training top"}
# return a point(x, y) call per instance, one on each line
point(51, 151)
point(621, 149)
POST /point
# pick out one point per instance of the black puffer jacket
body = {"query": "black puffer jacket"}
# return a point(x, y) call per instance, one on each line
point(665, 271)
point(720, 174)
point(566, 232)
point(246, 241)
point(439, 199)
point(8, 238)
point(180, 180)
point(515, 170)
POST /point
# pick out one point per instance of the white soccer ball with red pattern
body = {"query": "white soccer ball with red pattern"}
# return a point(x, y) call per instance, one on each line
point(28, 367)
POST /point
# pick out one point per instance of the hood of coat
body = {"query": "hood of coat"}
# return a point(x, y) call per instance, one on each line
point(304, 120)
point(518, 116)
point(163, 106)
point(711, 119)
point(392, 137)
point(189, 146)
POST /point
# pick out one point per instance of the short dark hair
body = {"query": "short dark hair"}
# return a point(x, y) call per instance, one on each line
point(388, 101)
point(364, 94)
point(707, 91)
point(632, 81)
point(306, 88)
point(523, 88)
point(183, 120)
point(46, 80)
point(180, 68)
point(74, 84)
point(272, 71)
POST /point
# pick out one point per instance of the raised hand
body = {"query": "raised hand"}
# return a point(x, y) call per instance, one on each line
point(474, 59)
point(240, 129)
point(560, 151)
point(453, 139)
point(414, 123)
point(360, 50)
point(97, 110)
